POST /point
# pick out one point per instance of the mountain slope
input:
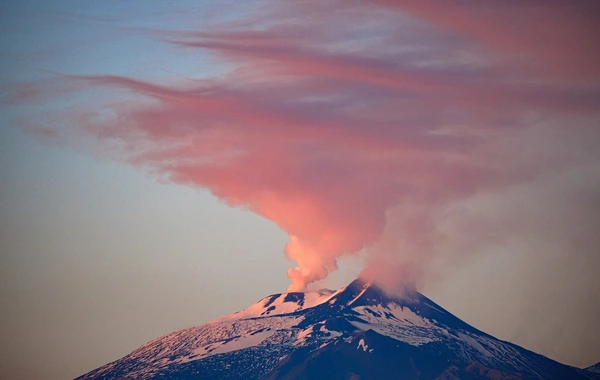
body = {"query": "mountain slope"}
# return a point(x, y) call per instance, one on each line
point(356, 332)
point(594, 369)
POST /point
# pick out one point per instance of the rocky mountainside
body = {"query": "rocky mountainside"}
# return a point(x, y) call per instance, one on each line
point(357, 332)
point(594, 368)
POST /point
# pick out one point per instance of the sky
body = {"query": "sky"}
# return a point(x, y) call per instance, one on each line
point(165, 164)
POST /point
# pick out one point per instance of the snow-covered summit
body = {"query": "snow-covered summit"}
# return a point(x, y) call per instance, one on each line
point(281, 303)
point(357, 331)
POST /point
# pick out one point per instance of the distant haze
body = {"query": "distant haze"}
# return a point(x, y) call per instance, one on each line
point(449, 147)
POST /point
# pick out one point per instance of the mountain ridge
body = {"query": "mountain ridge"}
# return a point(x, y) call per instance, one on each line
point(359, 330)
point(595, 368)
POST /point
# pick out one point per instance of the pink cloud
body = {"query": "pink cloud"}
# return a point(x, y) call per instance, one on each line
point(333, 132)
point(557, 37)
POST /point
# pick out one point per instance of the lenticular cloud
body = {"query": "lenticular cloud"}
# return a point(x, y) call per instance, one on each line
point(356, 125)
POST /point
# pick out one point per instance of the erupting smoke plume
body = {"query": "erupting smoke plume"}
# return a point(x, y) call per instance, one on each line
point(363, 125)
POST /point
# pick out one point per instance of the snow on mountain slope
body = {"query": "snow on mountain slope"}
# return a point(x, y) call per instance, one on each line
point(281, 304)
point(286, 333)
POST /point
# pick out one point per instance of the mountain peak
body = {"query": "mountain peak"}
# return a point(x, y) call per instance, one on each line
point(365, 292)
point(359, 292)
point(357, 331)
point(281, 303)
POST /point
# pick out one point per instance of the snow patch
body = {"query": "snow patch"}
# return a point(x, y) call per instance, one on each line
point(222, 347)
point(399, 323)
point(303, 335)
point(331, 333)
point(277, 305)
point(361, 343)
point(475, 344)
point(364, 289)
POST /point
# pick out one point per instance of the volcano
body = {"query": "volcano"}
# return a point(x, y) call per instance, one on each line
point(357, 332)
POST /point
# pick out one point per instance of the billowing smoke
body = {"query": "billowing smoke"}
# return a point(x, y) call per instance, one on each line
point(366, 126)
